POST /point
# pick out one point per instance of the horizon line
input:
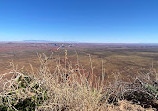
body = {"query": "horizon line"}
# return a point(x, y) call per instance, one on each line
point(49, 41)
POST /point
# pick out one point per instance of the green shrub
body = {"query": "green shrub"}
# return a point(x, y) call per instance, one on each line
point(23, 94)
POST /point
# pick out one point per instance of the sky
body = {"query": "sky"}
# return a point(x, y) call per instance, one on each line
point(97, 21)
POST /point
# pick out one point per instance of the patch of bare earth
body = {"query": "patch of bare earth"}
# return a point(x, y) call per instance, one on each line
point(127, 106)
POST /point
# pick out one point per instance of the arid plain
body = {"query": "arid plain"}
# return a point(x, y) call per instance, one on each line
point(127, 60)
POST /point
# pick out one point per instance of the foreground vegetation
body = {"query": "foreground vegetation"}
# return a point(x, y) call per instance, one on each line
point(70, 88)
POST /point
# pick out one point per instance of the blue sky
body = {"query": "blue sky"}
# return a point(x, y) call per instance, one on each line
point(104, 21)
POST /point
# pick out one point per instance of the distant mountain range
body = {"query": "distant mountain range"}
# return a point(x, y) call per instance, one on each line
point(37, 41)
point(46, 41)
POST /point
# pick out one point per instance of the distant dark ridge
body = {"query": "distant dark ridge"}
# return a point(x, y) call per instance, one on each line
point(37, 41)
point(49, 41)
point(44, 41)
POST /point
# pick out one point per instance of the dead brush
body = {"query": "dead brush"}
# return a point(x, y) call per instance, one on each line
point(68, 89)
point(63, 90)
point(143, 90)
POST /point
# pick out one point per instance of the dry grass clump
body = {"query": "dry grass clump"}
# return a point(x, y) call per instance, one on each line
point(68, 88)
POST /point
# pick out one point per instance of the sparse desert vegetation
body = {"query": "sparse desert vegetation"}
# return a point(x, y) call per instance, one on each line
point(61, 81)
